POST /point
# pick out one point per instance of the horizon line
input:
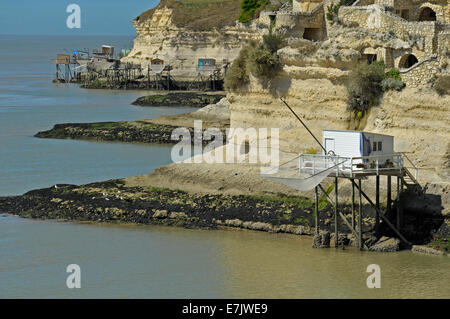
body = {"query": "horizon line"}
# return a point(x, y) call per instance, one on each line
point(69, 35)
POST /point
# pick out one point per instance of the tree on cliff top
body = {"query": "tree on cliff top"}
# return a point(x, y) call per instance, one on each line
point(251, 8)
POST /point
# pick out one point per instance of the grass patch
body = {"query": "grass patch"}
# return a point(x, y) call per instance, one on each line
point(199, 15)
point(323, 201)
point(251, 8)
point(106, 125)
point(442, 244)
point(301, 202)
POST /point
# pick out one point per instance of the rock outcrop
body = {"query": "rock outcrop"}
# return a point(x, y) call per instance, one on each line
point(172, 33)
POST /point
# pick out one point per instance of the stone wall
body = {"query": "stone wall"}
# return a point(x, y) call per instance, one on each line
point(421, 74)
point(304, 6)
point(422, 35)
point(411, 10)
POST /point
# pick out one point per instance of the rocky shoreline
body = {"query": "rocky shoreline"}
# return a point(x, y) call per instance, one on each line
point(112, 201)
point(143, 84)
point(189, 99)
point(136, 132)
point(116, 202)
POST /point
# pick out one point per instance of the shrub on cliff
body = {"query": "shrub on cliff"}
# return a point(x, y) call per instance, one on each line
point(237, 75)
point(264, 64)
point(394, 74)
point(273, 42)
point(250, 9)
point(365, 86)
point(392, 84)
point(442, 85)
point(259, 59)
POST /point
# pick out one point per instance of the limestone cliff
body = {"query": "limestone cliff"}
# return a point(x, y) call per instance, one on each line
point(181, 33)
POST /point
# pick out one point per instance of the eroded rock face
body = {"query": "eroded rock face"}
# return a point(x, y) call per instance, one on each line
point(159, 37)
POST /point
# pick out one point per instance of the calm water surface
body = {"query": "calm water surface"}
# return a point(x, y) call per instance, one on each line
point(143, 261)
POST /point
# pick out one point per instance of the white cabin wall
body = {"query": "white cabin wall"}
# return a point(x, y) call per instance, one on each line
point(347, 143)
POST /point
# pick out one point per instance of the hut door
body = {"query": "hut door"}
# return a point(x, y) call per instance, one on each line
point(329, 144)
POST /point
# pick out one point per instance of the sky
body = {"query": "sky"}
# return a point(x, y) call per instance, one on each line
point(48, 17)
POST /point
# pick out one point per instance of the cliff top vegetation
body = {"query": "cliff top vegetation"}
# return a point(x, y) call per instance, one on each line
point(199, 15)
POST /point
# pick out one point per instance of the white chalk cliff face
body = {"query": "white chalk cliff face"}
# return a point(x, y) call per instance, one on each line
point(159, 38)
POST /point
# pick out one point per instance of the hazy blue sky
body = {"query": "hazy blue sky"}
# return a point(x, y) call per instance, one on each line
point(98, 17)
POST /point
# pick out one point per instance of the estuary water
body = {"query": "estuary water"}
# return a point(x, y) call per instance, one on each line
point(131, 261)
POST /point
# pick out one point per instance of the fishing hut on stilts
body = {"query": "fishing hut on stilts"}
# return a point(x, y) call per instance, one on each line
point(65, 68)
point(353, 156)
point(158, 75)
point(209, 75)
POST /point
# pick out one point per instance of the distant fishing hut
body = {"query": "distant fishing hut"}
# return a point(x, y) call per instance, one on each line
point(208, 73)
point(64, 68)
point(158, 75)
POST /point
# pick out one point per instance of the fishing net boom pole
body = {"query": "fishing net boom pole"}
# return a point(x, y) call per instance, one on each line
point(304, 125)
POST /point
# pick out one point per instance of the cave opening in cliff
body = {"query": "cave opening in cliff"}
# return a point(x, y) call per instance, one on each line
point(312, 34)
point(427, 14)
point(407, 61)
point(371, 58)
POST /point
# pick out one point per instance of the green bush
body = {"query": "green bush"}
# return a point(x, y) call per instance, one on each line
point(394, 74)
point(364, 88)
point(392, 84)
point(249, 9)
point(264, 64)
point(311, 150)
point(442, 85)
point(261, 60)
point(273, 42)
point(237, 75)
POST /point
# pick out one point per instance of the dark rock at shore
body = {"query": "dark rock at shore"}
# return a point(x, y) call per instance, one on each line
point(141, 84)
point(190, 99)
point(139, 132)
point(386, 244)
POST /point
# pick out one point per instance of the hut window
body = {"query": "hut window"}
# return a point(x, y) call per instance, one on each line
point(380, 146)
point(374, 148)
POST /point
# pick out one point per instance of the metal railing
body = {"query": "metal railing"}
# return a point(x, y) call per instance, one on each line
point(416, 170)
point(314, 164)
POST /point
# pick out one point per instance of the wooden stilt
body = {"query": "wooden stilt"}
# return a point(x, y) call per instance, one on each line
point(353, 203)
point(360, 216)
point(399, 190)
point(316, 209)
point(389, 194)
point(377, 202)
point(352, 229)
point(336, 220)
point(385, 219)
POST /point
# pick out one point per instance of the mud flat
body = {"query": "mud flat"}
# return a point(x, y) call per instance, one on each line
point(157, 130)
